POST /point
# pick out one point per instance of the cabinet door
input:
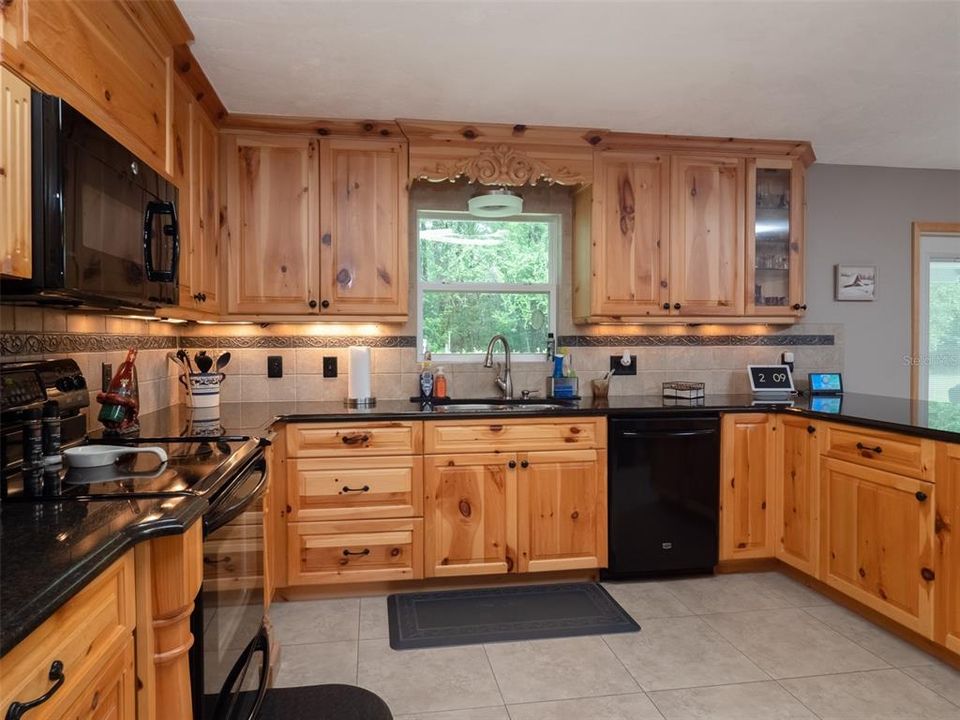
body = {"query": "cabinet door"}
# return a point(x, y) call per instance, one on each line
point(706, 246)
point(180, 155)
point(877, 540)
point(947, 547)
point(272, 236)
point(16, 248)
point(774, 245)
point(111, 693)
point(205, 205)
point(630, 256)
point(798, 493)
point(470, 514)
point(562, 510)
point(364, 216)
point(747, 468)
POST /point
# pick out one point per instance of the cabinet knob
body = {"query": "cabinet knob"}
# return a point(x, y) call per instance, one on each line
point(921, 495)
point(512, 464)
point(524, 464)
point(798, 306)
point(676, 306)
point(666, 306)
point(324, 304)
point(811, 429)
point(312, 303)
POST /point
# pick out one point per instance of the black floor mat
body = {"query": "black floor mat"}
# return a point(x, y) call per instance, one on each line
point(531, 612)
point(317, 702)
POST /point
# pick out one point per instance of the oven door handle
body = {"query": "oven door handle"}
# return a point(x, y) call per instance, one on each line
point(226, 708)
point(171, 230)
point(218, 517)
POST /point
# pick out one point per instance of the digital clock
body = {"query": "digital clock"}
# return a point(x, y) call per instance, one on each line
point(770, 379)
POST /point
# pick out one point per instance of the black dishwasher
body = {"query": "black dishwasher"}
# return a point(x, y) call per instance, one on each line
point(664, 495)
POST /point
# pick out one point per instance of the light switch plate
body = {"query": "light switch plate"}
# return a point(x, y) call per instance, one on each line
point(274, 366)
point(329, 366)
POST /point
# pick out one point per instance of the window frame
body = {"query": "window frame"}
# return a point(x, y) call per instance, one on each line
point(551, 287)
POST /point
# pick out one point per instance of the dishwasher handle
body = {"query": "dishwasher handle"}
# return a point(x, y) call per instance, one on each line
point(653, 435)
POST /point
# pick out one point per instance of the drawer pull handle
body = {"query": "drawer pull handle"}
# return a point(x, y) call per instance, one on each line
point(811, 429)
point(346, 489)
point(356, 439)
point(18, 709)
point(921, 495)
point(348, 552)
point(862, 447)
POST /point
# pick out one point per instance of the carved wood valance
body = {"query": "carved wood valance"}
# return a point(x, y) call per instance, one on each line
point(500, 164)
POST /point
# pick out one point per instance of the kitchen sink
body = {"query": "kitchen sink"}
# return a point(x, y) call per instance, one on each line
point(498, 406)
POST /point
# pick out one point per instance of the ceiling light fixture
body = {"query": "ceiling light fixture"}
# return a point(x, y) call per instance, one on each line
point(495, 202)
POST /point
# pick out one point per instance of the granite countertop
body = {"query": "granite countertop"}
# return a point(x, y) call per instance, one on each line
point(50, 550)
point(940, 421)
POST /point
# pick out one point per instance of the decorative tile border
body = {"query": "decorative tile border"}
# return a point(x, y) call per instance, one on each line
point(296, 341)
point(692, 340)
point(41, 343)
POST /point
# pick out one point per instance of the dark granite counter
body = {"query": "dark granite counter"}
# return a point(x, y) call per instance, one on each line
point(50, 550)
point(940, 421)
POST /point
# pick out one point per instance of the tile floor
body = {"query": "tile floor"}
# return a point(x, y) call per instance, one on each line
point(756, 646)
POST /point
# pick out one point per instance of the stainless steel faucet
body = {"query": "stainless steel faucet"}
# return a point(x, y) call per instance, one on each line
point(503, 381)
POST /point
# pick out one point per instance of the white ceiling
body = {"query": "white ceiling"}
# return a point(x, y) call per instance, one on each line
point(869, 83)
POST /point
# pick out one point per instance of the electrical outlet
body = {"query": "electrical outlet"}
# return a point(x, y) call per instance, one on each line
point(620, 369)
point(329, 366)
point(274, 366)
point(106, 375)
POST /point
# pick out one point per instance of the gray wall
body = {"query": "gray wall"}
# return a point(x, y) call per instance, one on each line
point(862, 215)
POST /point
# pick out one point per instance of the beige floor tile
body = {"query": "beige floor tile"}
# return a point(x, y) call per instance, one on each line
point(726, 593)
point(301, 622)
point(939, 678)
point(490, 713)
point(790, 643)
point(792, 591)
point(373, 618)
point(647, 599)
point(878, 695)
point(881, 643)
point(558, 669)
point(753, 701)
point(635, 706)
point(418, 681)
point(327, 662)
point(681, 652)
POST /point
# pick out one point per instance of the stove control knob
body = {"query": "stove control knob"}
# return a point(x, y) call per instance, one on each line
point(81, 382)
point(65, 384)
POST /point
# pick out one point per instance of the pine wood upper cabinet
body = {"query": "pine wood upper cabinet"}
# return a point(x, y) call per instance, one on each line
point(272, 232)
point(798, 493)
point(562, 510)
point(470, 514)
point(707, 235)
point(877, 540)
point(747, 466)
point(626, 273)
point(205, 208)
point(16, 241)
point(774, 245)
point(947, 547)
point(180, 167)
point(364, 227)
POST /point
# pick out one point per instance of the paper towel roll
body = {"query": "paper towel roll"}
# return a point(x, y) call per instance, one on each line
point(359, 384)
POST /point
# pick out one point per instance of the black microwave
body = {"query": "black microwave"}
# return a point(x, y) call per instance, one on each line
point(105, 229)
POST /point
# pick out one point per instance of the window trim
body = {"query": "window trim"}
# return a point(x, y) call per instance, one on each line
point(551, 287)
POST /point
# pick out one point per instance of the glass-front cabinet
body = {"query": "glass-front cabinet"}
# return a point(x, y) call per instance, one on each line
point(774, 238)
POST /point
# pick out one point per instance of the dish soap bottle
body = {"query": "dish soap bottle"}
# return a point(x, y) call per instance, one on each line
point(426, 379)
point(440, 384)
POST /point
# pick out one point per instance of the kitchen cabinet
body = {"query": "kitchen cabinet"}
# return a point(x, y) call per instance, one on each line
point(315, 228)
point(706, 235)
point(797, 499)
point(180, 167)
point(623, 270)
point(774, 244)
point(363, 216)
point(877, 540)
point(272, 231)
point(16, 239)
point(470, 514)
point(111, 693)
point(947, 547)
point(747, 468)
point(561, 510)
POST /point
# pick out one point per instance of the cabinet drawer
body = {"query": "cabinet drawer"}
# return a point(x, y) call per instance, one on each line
point(355, 551)
point(375, 487)
point(353, 440)
point(514, 435)
point(111, 693)
point(80, 635)
point(902, 454)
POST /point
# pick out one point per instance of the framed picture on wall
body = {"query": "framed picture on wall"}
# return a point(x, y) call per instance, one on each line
point(855, 282)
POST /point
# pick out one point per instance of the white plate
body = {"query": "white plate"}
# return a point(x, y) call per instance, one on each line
point(88, 456)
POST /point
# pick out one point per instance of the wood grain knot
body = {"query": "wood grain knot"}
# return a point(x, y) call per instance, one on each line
point(367, 127)
point(594, 139)
point(384, 132)
point(496, 428)
point(322, 131)
point(107, 95)
point(185, 66)
point(519, 129)
point(465, 509)
point(861, 572)
point(574, 515)
point(394, 552)
point(470, 134)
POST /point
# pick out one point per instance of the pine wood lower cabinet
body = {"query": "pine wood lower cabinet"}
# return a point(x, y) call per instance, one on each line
point(747, 466)
point(111, 694)
point(877, 540)
point(947, 547)
point(798, 493)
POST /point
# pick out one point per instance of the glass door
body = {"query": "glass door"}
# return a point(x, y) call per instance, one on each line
point(774, 238)
point(938, 362)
